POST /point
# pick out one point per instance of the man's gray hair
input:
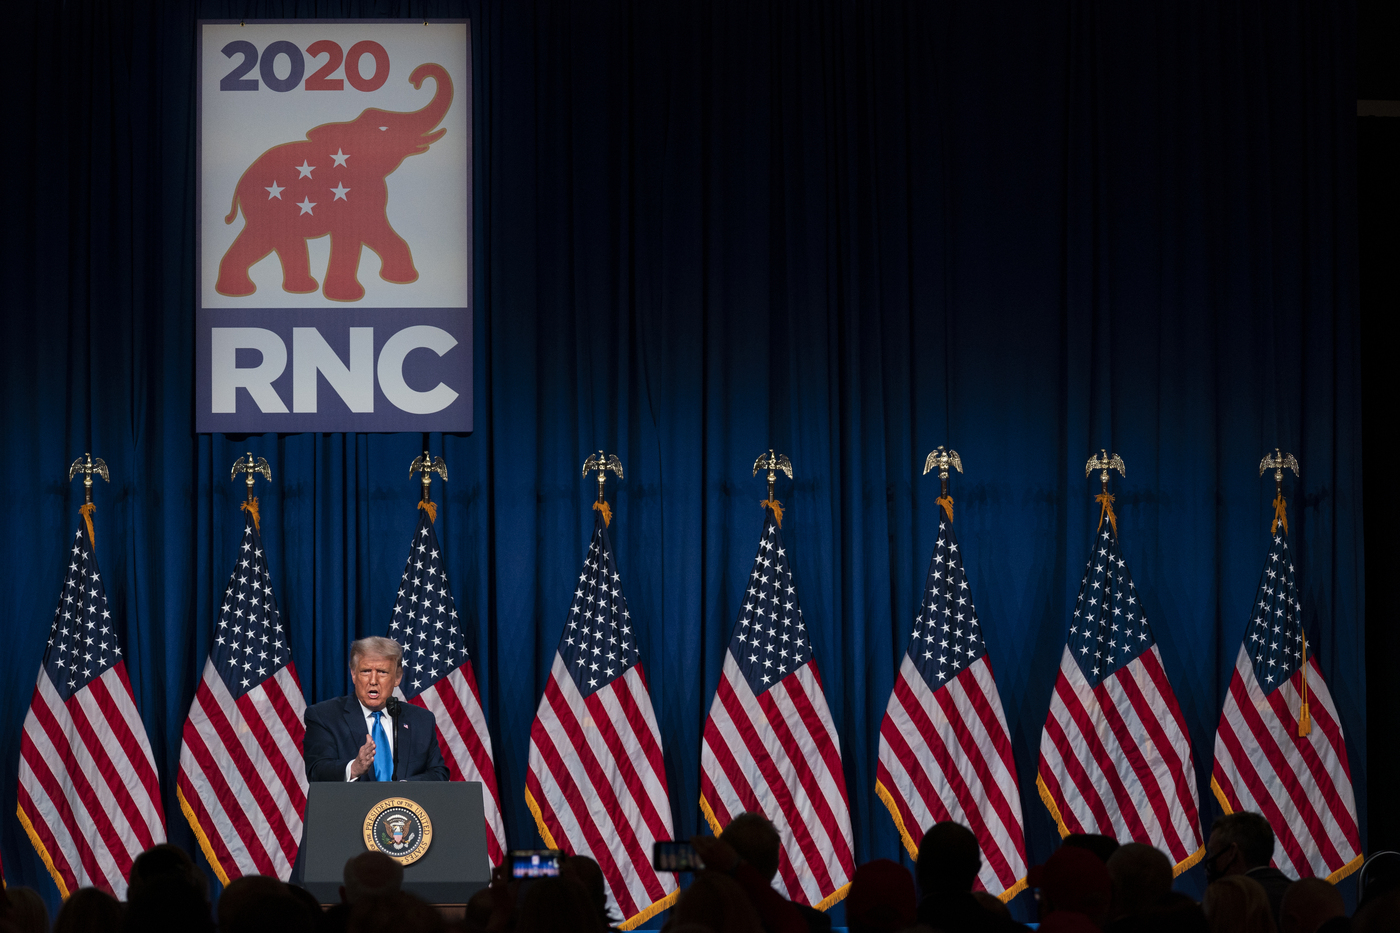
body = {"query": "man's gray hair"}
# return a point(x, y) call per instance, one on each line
point(375, 647)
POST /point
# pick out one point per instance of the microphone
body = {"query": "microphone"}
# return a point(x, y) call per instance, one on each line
point(393, 707)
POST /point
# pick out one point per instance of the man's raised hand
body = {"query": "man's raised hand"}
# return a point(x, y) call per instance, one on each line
point(364, 761)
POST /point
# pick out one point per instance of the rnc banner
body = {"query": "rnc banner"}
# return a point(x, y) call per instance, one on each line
point(334, 227)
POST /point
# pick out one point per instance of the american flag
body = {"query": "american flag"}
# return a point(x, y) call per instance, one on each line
point(242, 780)
point(88, 794)
point(1301, 784)
point(597, 783)
point(770, 745)
point(438, 673)
point(945, 753)
point(1114, 755)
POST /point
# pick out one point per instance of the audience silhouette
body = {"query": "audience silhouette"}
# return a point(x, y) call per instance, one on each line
point(1090, 884)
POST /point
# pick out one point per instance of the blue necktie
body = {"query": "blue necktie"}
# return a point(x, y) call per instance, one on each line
point(383, 757)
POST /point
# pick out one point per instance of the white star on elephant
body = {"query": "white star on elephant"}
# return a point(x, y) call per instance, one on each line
point(306, 205)
point(339, 191)
point(340, 158)
point(305, 169)
point(275, 191)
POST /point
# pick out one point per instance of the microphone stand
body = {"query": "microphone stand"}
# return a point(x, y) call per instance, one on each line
point(393, 706)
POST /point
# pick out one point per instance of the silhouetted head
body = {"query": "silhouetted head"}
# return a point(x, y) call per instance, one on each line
point(586, 872)
point(555, 904)
point(27, 913)
point(1102, 846)
point(370, 874)
point(401, 912)
point(1237, 843)
point(89, 910)
point(1238, 904)
point(949, 859)
point(881, 899)
point(1308, 904)
point(756, 840)
point(166, 891)
point(165, 862)
point(715, 901)
point(258, 904)
point(1073, 879)
point(1141, 877)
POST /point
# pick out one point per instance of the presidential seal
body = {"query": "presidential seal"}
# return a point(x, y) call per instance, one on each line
point(399, 828)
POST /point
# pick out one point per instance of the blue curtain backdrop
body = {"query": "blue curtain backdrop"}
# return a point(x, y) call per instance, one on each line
point(847, 231)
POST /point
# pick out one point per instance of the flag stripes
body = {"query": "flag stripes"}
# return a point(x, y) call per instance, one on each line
point(597, 781)
point(1127, 778)
point(438, 673)
point(88, 796)
point(455, 703)
point(241, 762)
point(937, 763)
point(774, 758)
point(242, 781)
point(1300, 783)
point(1115, 757)
point(944, 749)
point(1262, 765)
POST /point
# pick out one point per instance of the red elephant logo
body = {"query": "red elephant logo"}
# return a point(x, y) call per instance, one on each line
point(333, 182)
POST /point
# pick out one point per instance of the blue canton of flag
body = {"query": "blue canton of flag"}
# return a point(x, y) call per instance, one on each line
point(82, 643)
point(946, 635)
point(598, 644)
point(770, 638)
point(1109, 628)
point(249, 644)
point(425, 615)
point(1274, 637)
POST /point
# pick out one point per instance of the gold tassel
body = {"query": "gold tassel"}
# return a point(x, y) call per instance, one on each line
point(1280, 515)
point(251, 507)
point(947, 503)
point(777, 508)
point(427, 505)
point(1304, 720)
point(602, 506)
point(1107, 512)
point(87, 509)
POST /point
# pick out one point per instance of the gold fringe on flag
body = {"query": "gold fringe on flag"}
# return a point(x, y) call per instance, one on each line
point(427, 505)
point(87, 509)
point(777, 508)
point(1107, 500)
point(602, 506)
point(947, 503)
point(251, 507)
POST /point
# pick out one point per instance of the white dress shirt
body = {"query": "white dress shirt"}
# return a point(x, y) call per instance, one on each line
point(386, 722)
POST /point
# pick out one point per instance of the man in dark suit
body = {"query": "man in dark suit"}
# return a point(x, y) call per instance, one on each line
point(947, 867)
point(1243, 844)
point(354, 738)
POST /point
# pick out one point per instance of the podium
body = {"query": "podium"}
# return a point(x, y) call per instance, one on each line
point(445, 854)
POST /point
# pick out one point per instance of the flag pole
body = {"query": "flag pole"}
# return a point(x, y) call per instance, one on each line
point(88, 467)
point(1278, 462)
point(428, 466)
point(938, 457)
point(773, 463)
point(602, 463)
point(1105, 463)
point(250, 467)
